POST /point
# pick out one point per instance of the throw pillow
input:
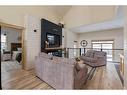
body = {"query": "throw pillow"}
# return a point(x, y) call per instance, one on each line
point(44, 55)
point(79, 65)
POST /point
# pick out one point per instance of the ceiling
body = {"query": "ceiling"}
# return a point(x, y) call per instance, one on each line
point(113, 24)
point(61, 10)
point(117, 22)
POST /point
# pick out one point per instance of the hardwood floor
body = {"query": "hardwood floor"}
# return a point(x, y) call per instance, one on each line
point(13, 77)
point(105, 78)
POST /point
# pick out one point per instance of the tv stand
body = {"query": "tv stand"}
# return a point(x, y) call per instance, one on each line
point(56, 51)
point(52, 49)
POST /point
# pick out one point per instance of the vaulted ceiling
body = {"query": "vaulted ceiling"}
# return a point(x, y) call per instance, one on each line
point(61, 10)
point(116, 22)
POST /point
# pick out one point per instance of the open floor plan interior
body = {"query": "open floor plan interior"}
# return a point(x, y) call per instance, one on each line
point(63, 47)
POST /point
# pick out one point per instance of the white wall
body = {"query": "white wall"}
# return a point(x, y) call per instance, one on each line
point(115, 34)
point(70, 38)
point(32, 39)
point(125, 48)
point(11, 36)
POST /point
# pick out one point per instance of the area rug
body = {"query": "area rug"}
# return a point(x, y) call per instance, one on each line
point(117, 66)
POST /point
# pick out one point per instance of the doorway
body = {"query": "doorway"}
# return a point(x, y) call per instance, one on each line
point(13, 51)
point(12, 44)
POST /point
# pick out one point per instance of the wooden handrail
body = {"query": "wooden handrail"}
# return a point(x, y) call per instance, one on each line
point(95, 48)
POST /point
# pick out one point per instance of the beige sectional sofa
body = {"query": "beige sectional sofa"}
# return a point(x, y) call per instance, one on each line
point(60, 73)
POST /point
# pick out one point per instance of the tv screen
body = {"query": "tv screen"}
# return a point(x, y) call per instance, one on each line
point(53, 39)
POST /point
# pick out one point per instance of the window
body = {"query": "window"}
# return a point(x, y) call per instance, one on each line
point(3, 42)
point(106, 46)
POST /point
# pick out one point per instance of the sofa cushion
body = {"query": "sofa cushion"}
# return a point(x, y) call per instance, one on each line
point(88, 59)
point(70, 61)
point(90, 53)
point(44, 55)
point(100, 53)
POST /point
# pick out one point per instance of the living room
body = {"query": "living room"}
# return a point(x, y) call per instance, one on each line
point(94, 24)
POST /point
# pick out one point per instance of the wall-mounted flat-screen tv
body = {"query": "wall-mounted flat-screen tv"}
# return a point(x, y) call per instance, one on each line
point(53, 39)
